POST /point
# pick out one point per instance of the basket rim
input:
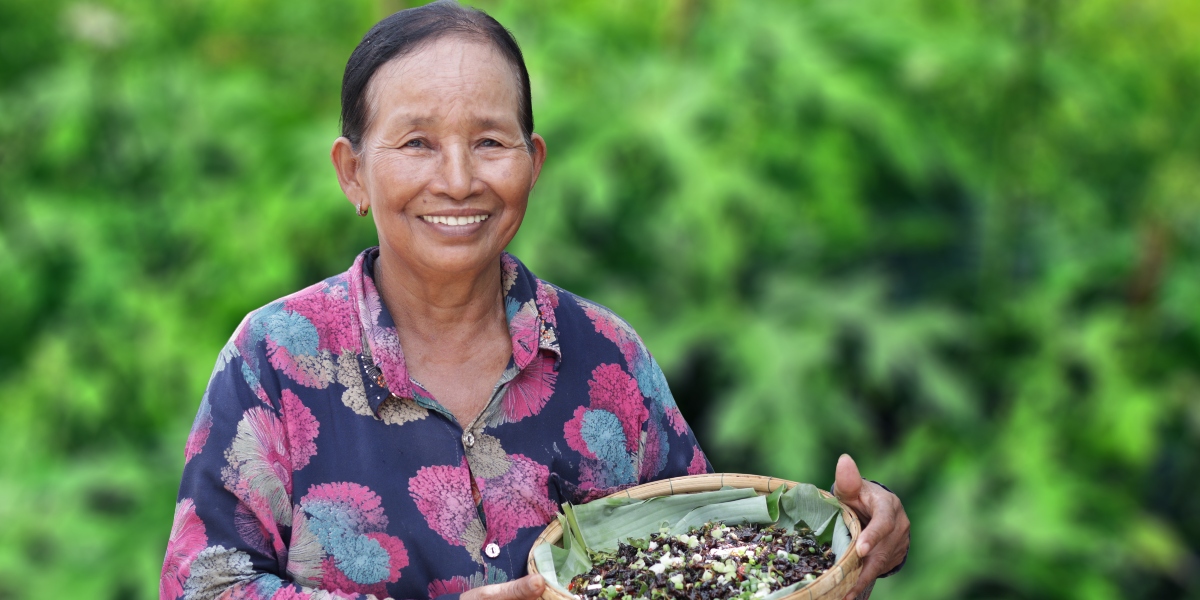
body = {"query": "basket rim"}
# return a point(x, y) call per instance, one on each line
point(841, 577)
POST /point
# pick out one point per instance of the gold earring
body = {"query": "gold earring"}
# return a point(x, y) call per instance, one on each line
point(362, 212)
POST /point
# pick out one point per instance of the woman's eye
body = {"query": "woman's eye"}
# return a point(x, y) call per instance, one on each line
point(490, 143)
point(415, 143)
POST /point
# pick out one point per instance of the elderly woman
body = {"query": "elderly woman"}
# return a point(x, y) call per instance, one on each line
point(407, 428)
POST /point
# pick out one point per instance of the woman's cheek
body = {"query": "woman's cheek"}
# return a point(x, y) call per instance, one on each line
point(402, 183)
point(512, 177)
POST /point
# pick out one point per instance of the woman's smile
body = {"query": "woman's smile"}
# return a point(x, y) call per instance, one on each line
point(454, 223)
point(444, 165)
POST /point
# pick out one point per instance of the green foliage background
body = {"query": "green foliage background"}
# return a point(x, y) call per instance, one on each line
point(959, 240)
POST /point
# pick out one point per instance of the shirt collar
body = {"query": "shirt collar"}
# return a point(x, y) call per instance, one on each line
point(529, 305)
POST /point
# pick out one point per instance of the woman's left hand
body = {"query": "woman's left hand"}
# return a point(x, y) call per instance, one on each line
point(883, 543)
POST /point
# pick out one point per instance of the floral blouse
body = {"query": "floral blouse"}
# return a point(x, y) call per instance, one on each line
point(317, 468)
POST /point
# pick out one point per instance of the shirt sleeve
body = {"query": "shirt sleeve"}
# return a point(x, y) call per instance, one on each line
point(233, 516)
point(668, 447)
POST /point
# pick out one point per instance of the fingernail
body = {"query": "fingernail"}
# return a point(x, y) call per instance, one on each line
point(864, 548)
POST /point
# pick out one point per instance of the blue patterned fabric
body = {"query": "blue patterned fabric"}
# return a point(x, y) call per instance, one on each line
point(318, 468)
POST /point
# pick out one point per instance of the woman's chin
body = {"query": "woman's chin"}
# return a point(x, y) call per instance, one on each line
point(452, 258)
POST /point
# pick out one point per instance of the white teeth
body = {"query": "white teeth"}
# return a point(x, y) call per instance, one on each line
point(454, 220)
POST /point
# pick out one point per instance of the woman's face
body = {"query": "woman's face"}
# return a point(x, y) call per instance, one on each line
point(443, 165)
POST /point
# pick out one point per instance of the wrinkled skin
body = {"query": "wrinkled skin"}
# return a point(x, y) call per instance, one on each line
point(444, 141)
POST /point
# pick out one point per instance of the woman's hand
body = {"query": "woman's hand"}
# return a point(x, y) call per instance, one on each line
point(529, 587)
point(883, 543)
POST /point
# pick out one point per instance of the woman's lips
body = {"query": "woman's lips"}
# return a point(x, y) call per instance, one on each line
point(455, 225)
point(453, 220)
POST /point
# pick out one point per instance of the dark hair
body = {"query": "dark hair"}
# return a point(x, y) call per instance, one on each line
point(404, 32)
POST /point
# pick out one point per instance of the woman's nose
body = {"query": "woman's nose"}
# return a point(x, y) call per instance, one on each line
point(457, 173)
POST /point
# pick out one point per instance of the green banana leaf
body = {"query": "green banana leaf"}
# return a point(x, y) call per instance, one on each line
point(804, 503)
point(573, 558)
point(839, 541)
point(756, 509)
point(598, 526)
point(605, 522)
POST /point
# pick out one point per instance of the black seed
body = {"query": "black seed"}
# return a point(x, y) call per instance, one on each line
point(615, 568)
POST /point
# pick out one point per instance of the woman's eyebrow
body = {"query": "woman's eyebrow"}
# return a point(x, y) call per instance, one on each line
point(411, 120)
point(415, 120)
point(488, 123)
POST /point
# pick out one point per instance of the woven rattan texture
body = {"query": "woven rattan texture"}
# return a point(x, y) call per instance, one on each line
point(833, 585)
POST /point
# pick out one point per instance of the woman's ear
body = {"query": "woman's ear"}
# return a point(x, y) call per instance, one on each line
point(539, 156)
point(349, 167)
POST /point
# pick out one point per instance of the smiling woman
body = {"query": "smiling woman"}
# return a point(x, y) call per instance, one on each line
point(407, 427)
point(445, 141)
point(447, 166)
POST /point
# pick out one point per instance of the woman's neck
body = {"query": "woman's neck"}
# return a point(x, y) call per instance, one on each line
point(434, 310)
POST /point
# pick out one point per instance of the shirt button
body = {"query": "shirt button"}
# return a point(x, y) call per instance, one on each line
point(468, 439)
point(492, 550)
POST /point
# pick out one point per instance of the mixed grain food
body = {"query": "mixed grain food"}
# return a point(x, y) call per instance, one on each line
point(712, 562)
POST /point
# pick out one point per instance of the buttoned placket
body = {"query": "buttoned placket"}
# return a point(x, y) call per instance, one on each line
point(470, 434)
point(490, 549)
point(375, 375)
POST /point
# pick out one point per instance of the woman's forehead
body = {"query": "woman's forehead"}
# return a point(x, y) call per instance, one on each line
point(448, 75)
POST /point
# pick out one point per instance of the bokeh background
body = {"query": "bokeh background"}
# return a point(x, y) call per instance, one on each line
point(957, 239)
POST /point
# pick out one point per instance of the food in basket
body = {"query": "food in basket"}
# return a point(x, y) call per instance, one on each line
point(714, 561)
point(664, 538)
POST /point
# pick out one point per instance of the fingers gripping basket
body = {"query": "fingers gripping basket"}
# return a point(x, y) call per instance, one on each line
point(834, 584)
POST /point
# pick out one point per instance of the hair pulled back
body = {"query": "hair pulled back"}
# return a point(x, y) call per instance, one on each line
point(404, 32)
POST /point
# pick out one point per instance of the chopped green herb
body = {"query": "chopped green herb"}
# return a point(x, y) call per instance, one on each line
point(713, 562)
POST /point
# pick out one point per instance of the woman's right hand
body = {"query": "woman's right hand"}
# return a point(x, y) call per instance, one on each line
point(529, 587)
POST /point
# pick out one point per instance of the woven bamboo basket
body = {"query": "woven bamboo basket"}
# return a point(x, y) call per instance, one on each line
point(834, 584)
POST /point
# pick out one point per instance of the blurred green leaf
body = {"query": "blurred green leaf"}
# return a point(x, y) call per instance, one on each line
point(957, 240)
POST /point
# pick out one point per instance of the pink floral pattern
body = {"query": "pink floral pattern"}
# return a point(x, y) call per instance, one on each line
point(251, 528)
point(315, 469)
point(302, 429)
point(200, 429)
point(455, 585)
point(186, 541)
point(573, 432)
point(290, 342)
point(382, 338)
point(357, 553)
point(443, 496)
point(612, 389)
point(525, 329)
point(260, 470)
point(614, 330)
point(607, 433)
point(331, 311)
point(547, 302)
point(459, 583)
point(699, 464)
point(675, 418)
point(645, 369)
point(509, 270)
point(655, 450)
point(517, 499)
point(361, 504)
point(529, 391)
